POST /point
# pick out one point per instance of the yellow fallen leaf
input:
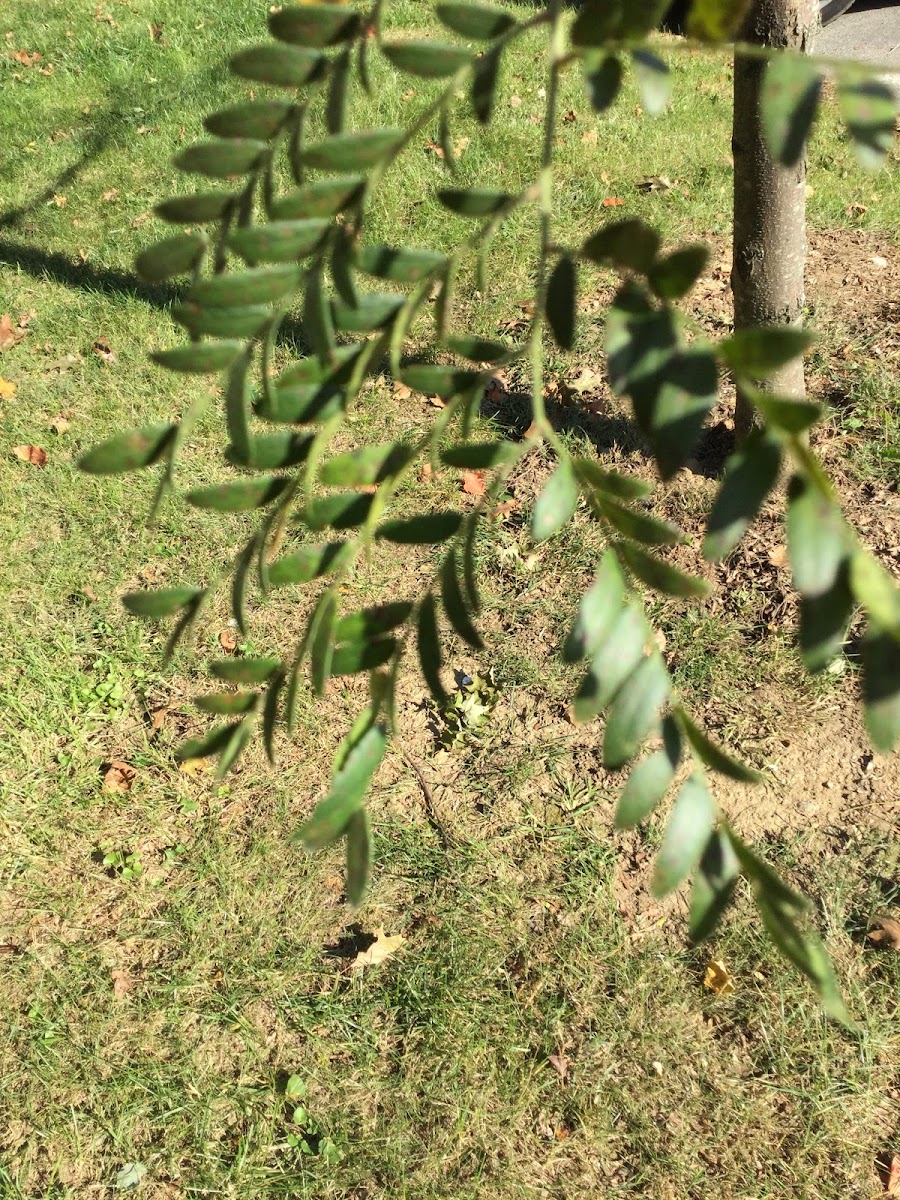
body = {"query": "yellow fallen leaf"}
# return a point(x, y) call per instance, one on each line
point(7, 389)
point(383, 947)
point(717, 978)
point(193, 766)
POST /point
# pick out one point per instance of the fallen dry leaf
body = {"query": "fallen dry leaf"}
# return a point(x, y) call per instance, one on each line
point(885, 932)
point(879, 260)
point(588, 380)
point(25, 58)
point(778, 557)
point(140, 219)
point(427, 472)
point(59, 423)
point(560, 1064)
point(158, 719)
point(856, 210)
point(473, 483)
point(119, 777)
point(121, 981)
point(9, 334)
point(60, 201)
point(101, 348)
point(504, 509)
point(228, 640)
point(193, 767)
point(436, 402)
point(34, 455)
point(590, 137)
point(400, 391)
point(533, 431)
point(383, 947)
point(156, 32)
point(570, 116)
point(109, 196)
point(892, 1185)
point(655, 183)
point(515, 101)
point(7, 389)
point(717, 979)
point(408, 94)
point(611, 202)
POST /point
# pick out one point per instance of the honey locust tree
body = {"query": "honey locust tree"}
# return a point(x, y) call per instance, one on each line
point(287, 233)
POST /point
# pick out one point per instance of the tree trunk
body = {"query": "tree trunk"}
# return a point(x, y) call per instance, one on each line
point(769, 253)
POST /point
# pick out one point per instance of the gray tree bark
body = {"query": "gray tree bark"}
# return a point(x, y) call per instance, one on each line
point(769, 255)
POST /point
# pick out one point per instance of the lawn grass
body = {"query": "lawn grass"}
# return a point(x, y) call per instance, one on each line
point(158, 1019)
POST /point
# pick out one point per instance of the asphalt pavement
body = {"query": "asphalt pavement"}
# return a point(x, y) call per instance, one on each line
point(869, 32)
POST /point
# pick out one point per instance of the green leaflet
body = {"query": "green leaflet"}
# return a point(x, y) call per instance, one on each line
point(650, 779)
point(173, 256)
point(556, 503)
point(199, 358)
point(426, 529)
point(876, 591)
point(359, 856)
point(712, 755)
point(824, 620)
point(674, 275)
point(365, 466)
point(282, 66)
point(161, 602)
point(658, 574)
point(479, 456)
point(400, 264)
point(600, 607)
point(686, 835)
point(881, 689)
point(868, 107)
point(473, 202)
point(653, 80)
point(227, 703)
point(603, 79)
point(750, 475)
point(234, 289)
point(330, 817)
point(789, 102)
point(716, 20)
point(630, 245)
point(271, 451)
point(362, 656)
point(445, 382)
point(314, 25)
point(260, 119)
point(323, 198)
point(639, 525)
point(195, 209)
point(617, 656)
point(480, 21)
point(307, 563)
point(816, 537)
point(128, 451)
point(244, 670)
point(715, 879)
point(239, 496)
point(372, 622)
point(222, 160)
point(455, 603)
point(280, 241)
point(429, 60)
point(352, 151)
point(597, 483)
point(371, 311)
point(228, 323)
point(428, 645)
point(344, 510)
point(756, 353)
point(635, 711)
point(562, 297)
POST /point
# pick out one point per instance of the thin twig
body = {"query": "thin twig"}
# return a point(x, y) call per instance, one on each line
point(430, 810)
